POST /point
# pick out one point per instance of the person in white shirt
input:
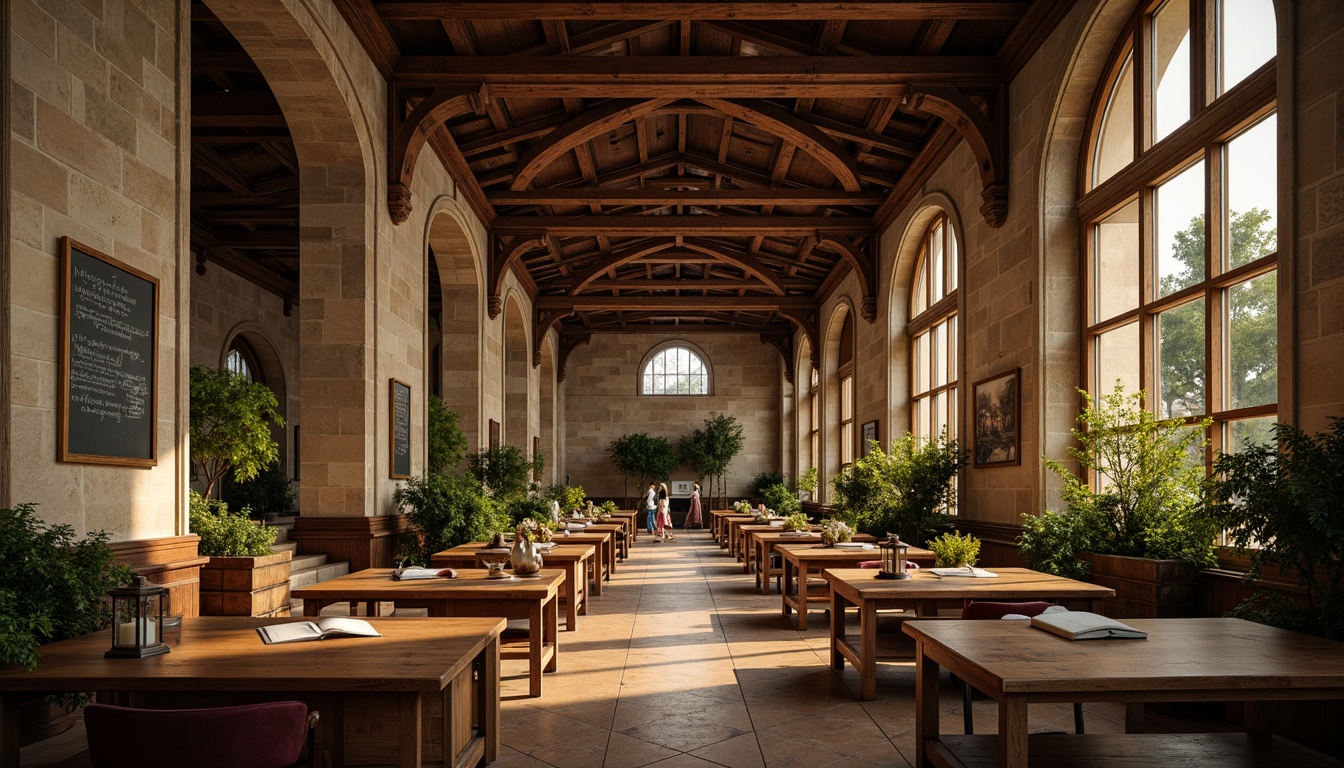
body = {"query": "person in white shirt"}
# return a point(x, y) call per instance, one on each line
point(651, 506)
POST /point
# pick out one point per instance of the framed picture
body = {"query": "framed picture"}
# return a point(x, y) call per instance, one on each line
point(399, 395)
point(494, 434)
point(867, 432)
point(536, 451)
point(998, 409)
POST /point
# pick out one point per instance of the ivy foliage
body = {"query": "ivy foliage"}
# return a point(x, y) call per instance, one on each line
point(908, 491)
point(1284, 503)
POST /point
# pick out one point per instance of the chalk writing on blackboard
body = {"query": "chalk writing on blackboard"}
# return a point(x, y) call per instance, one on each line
point(401, 429)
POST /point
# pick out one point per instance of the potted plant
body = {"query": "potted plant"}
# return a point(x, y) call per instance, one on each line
point(711, 449)
point(765, 480)
point(808, 482)
point(779, 498)
point(642, 456)
point(443, 511)
point(53, 587)
point(1139, 530)
point(953, 549)
point(244, 577)
point(1284, 503)
point(796, 522)
point(907, 491)
point(835, 531)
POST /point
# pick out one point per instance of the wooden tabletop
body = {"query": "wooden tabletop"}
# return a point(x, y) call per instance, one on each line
point(575, 551)
point(226, 654)
point(1018, 583)
point(1179, 655)
point(809, 551)
point(470, 584)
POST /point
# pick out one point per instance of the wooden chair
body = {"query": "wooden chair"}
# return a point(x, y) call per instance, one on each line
point(989, 610)
point(269, 735)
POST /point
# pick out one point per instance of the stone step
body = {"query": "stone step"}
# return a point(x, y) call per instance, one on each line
point(282, 526)
point(306, 562)
point(285, 546)
point(317, 574)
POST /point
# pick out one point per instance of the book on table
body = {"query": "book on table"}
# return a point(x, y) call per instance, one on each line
point(303, 631)
point(1082, 625)
point(964, 571)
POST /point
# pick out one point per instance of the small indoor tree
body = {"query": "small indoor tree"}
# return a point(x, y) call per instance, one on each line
point(908, 491)
point(230, 426)
point(640, 455)
point(710, 449)
point(504, 472)
point(446, 442)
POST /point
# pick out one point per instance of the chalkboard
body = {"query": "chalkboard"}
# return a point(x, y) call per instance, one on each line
point(400, 418)
point(107, 410)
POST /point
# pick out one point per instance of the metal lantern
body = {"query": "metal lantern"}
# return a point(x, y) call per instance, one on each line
point(893, 558)
point(138, 613)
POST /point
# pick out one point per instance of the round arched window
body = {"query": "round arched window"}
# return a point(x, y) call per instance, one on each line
point(675, 370)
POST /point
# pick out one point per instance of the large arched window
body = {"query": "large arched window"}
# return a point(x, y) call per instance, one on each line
point(1180, 217)
point(675, 370)
point(933, 332)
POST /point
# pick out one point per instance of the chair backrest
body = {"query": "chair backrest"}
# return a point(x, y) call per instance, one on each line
point(269, 735)
point(988, 610)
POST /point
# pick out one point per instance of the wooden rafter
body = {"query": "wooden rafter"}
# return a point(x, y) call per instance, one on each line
point(987, 137)
point(654, 226)
point(796, 131)
point(798, 10)
point(409, 136)
point(591, 123)
point(655, 194)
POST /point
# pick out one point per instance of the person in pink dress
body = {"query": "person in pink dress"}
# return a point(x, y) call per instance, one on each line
point(693, 516)
point(664, 521)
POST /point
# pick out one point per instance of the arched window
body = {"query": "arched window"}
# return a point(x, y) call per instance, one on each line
point(242, 360)
point(845, 372)
point(814, 416)
point(933, 332)
point(1180, 209)
point(675, 370)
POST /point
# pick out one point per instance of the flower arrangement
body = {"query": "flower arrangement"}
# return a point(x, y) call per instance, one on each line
point(545, 530)
point(834, 531)
point(526, 530)
point(742, 507)
point(796, 522)
point(608, 507)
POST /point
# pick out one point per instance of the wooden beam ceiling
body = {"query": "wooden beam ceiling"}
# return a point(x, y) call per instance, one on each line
point(654, 226)
point(614, 10)
point(703, 197)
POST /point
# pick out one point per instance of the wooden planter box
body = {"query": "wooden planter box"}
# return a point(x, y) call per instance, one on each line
point(1146, 589)
point(246, 586)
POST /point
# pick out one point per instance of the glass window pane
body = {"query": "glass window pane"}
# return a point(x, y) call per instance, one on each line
point(935, 264)
point(847, 398)
point(921, 363)
point(938, 357)
point(953, 256)
point(952, 349)
point(1179, 204)
point(1252, 342)
point(1257, 431)
point(1180, 352)
point(1171, 67)
point(1115, 139)
point(920, 300)
point(1252, 192)
point(1117, 358)
point(1117, 263)
point(939, 413)
point(921, 417)
point(1246, 39)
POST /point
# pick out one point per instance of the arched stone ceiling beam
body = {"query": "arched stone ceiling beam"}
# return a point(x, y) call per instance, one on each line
point(806, 321)
point(502, 259)
point(411, 135)
point(587, 126)
point(743, 261)
point(796, 131)
point(863, 267)
point(784, 343)
point(615, 259)
point(545, 320)
point(987, 138)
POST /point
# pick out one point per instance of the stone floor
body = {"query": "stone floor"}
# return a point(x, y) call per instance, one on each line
point(682, 663)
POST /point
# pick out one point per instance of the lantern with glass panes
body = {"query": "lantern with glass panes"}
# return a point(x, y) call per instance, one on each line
point(138, 611)
point(893, 558)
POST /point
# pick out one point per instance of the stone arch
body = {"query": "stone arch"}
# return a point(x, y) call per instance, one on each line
point(294, 48)
point(1060, 307)
point(829, 464)
point(802, 390)
point(548, 414)
point(517, 372)
point(273, 375)
point(456, 259)
point(900, 283)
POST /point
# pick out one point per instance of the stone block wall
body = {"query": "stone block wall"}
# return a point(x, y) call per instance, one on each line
point(601, 403)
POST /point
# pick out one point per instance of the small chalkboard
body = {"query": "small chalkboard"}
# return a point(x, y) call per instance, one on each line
point(107, 410)
point(400, 419)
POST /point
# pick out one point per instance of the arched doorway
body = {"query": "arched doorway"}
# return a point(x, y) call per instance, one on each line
point(454, 311)
point(549, 428)
point(517, 369)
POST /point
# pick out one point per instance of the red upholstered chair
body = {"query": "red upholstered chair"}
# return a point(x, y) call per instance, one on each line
point(269, 735)
point(987, 610)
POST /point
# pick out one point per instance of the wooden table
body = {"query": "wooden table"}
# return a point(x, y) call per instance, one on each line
point(721, 519)
point(1182, 660)
point(397, 699)
point(628, 519)
point(801, 559)
point(618, 543)
point(859, 587)
point(573, 559)
point(470, 594)
point(604, 560)
point(761, 545)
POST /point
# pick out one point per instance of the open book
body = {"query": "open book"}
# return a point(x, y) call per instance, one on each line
point(302, 631)
point(965, 571)
point(1081, 625)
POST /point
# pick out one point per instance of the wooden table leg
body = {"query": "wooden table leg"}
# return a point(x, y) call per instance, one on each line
point(763, 567)
point(926, 704)
point(550, 632)
point(837, 629)
point(535, 634)
point(599, 554)
point(487, 699)
point(409, 733)
point(784, 590)
point(312, 607)
point(572, 577)
point(868, 650)
point(801, 592)
point(1013, 731)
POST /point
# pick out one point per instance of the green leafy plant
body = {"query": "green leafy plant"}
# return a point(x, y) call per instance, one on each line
point(230, 427)
point(443, 511)
point(446, 443)
point(710, 450)
point(953, 548)
point(765, 480)
point(1284, 503)
point(268, 494)
point(809, 482)
point(504, 472)
point(225, 532)
point(907, 491)
point(608, 507)
point(1148, 500)
point(569, 497)
point(779, 498)
point(527, 507)
point(642, 456)
point(53, 584)
point(796, 522)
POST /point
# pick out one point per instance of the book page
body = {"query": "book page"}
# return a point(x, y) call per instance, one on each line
point(342, 625)
point(1082, 625)
point(289, 632)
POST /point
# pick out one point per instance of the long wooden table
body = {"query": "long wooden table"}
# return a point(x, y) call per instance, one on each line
point(627, 518)
point(604, 560)
point(1182, 660)
point(470, 594)
point(859, 587)
point(573, 559)
point(723, 521)
point(762, 545)
point(425, 687)
point(804, 558)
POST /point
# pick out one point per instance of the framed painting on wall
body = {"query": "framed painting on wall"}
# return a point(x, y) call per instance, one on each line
point(997, 401)
point(866, 433)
